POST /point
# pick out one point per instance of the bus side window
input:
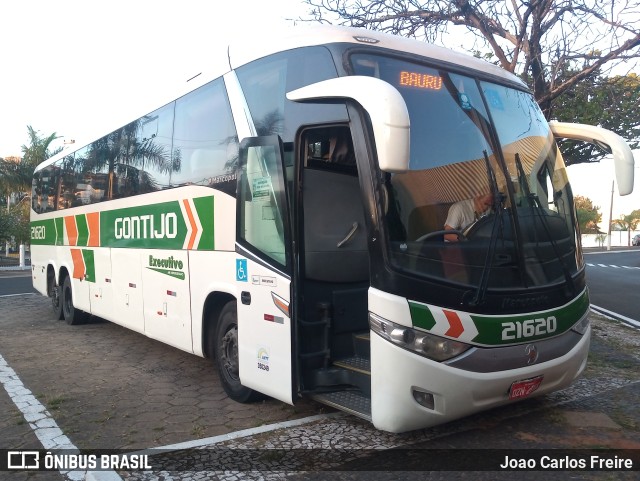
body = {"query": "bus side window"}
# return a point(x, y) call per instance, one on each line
point(66, 188)
point(153, 159)
point(50, 187)
point(266, 81)
point(36, 192)
point(205, 140)
point(262, 202)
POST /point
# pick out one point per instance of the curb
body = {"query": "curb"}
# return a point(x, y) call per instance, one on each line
point(614, 315)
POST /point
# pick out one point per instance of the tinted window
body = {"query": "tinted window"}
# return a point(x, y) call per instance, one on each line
point(36, 192)
point(262, 201)
point(67, 188)
point(147, 155)
point(113, 160)
point(265, 83)
point(152, 155)
point(49, 188)
point(205, 146)
point(446, 110)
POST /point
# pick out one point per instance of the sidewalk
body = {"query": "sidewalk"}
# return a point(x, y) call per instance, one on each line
point(603, 249)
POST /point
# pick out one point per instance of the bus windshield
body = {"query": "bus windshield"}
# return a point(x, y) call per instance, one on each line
point(485, 202)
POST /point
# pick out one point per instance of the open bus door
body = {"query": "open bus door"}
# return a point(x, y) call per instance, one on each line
point(263, 270)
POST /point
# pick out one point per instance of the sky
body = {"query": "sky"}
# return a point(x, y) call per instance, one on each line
point(77, 67)
point(82, 68)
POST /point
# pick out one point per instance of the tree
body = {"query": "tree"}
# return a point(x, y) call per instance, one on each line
point(5, 225)
point(16, 175)
point(611, 102)
point(589, 216)
point(14, 223)
point(551, 44)
point(628, 222)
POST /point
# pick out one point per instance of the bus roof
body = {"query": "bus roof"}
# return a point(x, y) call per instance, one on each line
point(253, 47)
point(247, 50)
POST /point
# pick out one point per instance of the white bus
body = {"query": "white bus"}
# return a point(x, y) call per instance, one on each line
point(287, 216)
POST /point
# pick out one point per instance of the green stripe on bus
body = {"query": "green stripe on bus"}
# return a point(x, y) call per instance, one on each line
point(204, 208)
point(43, 232)
point(512, 329)
point(158, 226)
point(155, 226)
point(59, 229)
point(89, 265)
point(83, 230)
point(421, 316)
point(490, 330)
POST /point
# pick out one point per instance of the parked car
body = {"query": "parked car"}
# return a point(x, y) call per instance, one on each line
point(636, 240)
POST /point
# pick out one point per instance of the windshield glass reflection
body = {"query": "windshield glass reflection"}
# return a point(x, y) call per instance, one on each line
point(486, 202)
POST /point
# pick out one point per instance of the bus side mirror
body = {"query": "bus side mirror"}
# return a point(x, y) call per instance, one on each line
point(385, 106)
point(612, 142)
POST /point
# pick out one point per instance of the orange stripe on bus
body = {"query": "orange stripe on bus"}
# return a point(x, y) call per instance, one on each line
point(78, 264)
point(93, 222)
point(455, 324)
point(192, 221)
point(72, 229)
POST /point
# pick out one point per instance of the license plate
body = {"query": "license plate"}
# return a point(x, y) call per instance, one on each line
point(524, 388)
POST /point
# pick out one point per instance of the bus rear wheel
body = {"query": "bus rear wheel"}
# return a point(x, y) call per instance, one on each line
point(72, 315)
point(56, 299)
point(224, 346)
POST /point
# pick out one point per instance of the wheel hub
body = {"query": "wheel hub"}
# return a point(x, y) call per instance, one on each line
point(230, 353)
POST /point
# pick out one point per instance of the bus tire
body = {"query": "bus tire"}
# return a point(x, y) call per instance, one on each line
point(56, 299)
point(224, 346)
point(72, 315)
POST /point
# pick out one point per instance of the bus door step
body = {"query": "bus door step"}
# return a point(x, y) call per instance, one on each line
point(362, 344)
point(358, 364)
point(352, 402)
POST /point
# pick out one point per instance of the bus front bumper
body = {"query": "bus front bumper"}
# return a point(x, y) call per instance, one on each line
point(396, 373)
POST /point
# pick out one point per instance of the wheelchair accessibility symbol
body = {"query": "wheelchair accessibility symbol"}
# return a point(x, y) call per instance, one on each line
point(241, 270)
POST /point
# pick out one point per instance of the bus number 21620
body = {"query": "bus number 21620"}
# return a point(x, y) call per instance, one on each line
point(529, 328)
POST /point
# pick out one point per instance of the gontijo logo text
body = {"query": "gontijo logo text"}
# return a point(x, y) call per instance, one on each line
point(146, 227)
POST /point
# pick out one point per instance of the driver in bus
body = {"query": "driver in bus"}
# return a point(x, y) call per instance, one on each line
point(465, 212)
point(340, 149)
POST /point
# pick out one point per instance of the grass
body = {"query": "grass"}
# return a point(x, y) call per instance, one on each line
point(197, 431)
point(54, 403)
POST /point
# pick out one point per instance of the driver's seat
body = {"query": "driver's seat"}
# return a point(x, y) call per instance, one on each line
point(427, 218)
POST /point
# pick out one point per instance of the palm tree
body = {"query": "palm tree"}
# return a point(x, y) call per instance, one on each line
point(16, 176)
point(629, 223)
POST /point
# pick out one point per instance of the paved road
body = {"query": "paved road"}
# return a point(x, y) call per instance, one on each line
point(15, 282)
point(614, 281)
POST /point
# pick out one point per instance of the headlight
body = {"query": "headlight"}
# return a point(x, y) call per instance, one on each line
point(434, 347)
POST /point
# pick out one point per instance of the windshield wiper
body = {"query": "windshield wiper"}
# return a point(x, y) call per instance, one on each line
point(498, 203)
point(554, 244)
point(536, 206)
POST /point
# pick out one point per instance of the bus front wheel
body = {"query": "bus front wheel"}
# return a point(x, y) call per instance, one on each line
point(225, 351)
